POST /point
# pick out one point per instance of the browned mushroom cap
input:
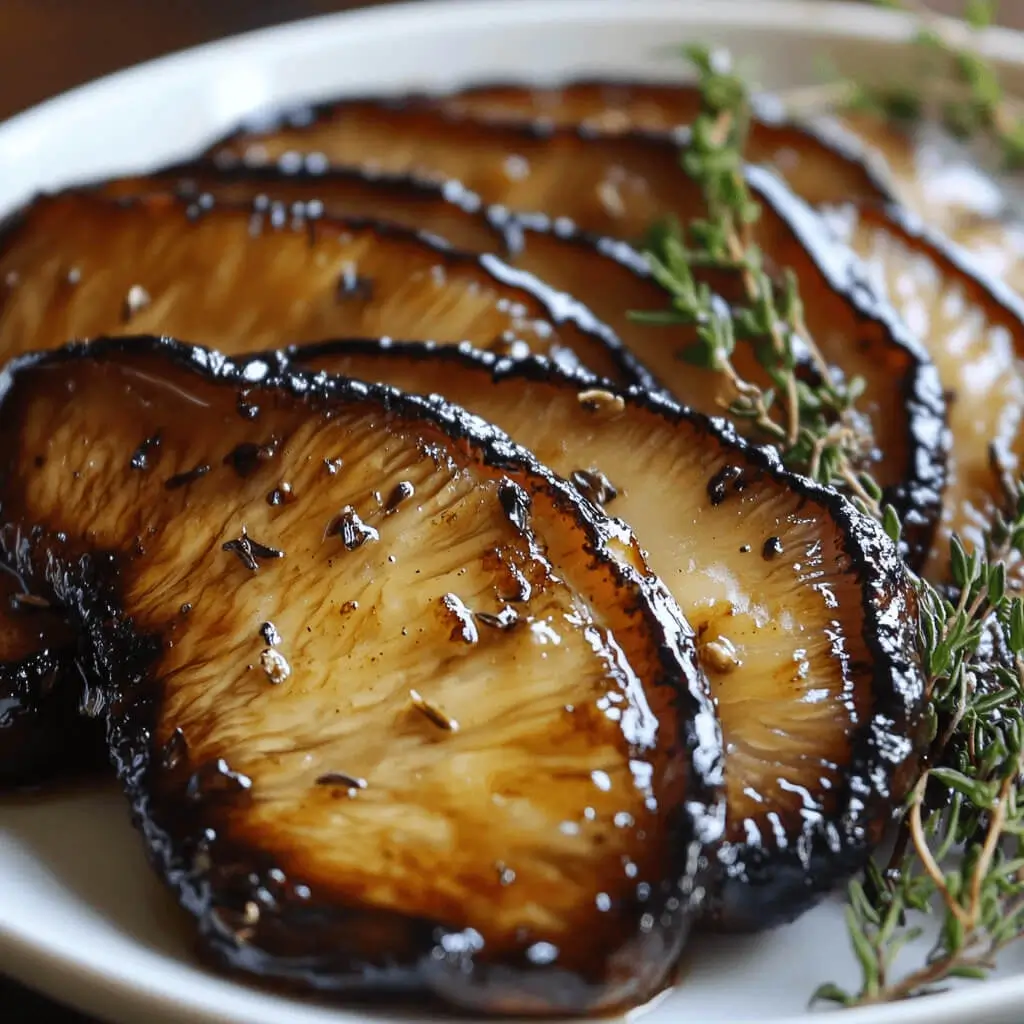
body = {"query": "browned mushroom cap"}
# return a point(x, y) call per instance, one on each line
point(43, 734)
point(973, 327)
point(804, 616)
point(969, 323)
point(259, 276)
point(610, 277)
point(619, 185)
point(939, 181)
point(241, 278)
point(924, 170)
point(821, 161)
point(857, 158)
point(416, 721)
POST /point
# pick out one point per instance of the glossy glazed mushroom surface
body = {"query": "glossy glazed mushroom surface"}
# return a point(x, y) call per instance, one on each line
point(805, 620)
point(395, 627)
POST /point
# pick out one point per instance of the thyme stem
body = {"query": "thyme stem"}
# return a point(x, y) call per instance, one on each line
point(809, 420)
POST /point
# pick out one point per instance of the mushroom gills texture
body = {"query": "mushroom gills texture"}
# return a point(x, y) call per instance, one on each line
point(241, 278)
point(619, 185)
point(258, 275)
point(610, 277)
point(820, 159)
point(415, 728)
point(805, 617)
point(973, 327)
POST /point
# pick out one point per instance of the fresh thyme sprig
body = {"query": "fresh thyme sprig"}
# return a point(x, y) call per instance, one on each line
point(971, 102)
point(959, 849)
point(808, 411)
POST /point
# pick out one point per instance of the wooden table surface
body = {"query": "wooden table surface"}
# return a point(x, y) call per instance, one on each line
point(48, 46)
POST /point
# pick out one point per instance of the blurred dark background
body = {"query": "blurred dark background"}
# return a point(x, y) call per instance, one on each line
point(48, 46)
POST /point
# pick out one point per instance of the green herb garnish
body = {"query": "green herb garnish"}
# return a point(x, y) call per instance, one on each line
point(959, 851)
point(809, 416)
point(970, 101)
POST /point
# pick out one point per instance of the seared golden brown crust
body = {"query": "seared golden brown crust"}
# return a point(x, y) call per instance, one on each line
point(241, 277)
point(805, 618)
point(820, 160)
point(617, 184)
point(520, 832)
point(973, 327)
point(258, 275)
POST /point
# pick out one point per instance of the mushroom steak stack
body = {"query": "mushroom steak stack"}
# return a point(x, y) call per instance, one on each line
point(445, 638)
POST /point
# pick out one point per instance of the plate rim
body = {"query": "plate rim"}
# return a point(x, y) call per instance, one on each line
point(86, 984)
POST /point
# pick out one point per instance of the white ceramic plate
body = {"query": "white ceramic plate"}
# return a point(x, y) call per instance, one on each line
point(80, 914)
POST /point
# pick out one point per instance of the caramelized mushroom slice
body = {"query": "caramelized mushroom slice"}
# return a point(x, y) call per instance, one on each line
point(255, 277)
point(422, 724)
point(927, 170)
point(240, 278)
point(619, 185)
point(804, 616)
point(942, 182)
point(968, 322)
point(821, 160)
point(973, 327)
point(610, 277)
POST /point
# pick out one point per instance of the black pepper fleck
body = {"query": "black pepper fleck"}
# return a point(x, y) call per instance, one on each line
point(402, 492)
point(174, 750)
point(594, 485)
point(772, 548)
point(140, 458)
point(215, 779)
point(353, 531)
point(249, 551)
point(246, 409)
point(506, 619)
point(719, 483)
point(516, 504)
point(341, 779)
point(281, 495)
point(247, 457)
point(181, 479)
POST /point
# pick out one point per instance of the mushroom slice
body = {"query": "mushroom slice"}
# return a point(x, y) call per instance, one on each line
point(929, 172)
point(43, 734)
point(258, 276)
point(610, 277)
point(967, 322)
point(247, 278)
point(820, 159)
point(804, 615)
point(973, 327)
point(942, 182)
point(417, 721)
point(619, 185)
